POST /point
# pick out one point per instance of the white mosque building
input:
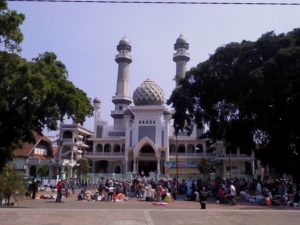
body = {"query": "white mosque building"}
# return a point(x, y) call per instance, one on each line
point(142, 139)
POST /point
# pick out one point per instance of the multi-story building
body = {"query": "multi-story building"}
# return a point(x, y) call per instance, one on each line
point(73, 144)
point(142, 138)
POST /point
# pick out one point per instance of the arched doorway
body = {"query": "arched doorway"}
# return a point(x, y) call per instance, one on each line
point(147, 161)
point(117, 169)
point(102, 166)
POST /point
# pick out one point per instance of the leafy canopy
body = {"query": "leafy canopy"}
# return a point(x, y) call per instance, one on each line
point(248, 94)
point(34, 94)
point(10, 33)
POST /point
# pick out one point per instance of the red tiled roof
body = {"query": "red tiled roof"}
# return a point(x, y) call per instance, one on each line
point(27, 147)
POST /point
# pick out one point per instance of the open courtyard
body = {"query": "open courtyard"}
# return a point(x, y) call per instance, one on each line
point(136, 212)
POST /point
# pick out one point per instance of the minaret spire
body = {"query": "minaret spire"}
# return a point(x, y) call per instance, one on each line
point(181, 57)
point(122, 99)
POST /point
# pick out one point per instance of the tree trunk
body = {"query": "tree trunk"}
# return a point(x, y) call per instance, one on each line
point(8, 199)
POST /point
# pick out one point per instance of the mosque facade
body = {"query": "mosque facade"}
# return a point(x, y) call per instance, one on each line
point(142, 138)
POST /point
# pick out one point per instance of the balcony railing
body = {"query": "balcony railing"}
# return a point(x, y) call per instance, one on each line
point(188, 153)
point(181, 54)
point(104, 153)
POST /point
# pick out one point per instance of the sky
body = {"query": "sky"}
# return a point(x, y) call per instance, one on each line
point(84, 37)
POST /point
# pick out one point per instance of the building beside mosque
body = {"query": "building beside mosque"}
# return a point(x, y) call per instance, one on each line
point(142, 139)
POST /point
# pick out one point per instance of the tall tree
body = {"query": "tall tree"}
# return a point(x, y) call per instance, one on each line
point(248, 95)
point(10, 33)
point(34, 94)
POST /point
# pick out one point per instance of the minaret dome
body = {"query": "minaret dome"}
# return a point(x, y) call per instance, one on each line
point(180, 57)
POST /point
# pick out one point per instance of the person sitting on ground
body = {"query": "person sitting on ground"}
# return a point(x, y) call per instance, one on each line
point(158, 192)
point(88, 196)
point(80, 196)
point(221, 195)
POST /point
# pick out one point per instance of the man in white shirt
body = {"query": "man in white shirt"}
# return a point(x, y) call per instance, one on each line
point(232, 194)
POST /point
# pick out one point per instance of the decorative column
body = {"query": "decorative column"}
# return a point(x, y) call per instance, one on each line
point(126, 163)
point(94, 166)
point(158, 165)
point(134, 164)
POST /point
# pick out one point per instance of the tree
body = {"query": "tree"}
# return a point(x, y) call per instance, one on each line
point(205, 167)
point(11, 182)
point(43, 171)
point(34, 94)
point(10, 33)
point(248, 95)
point(83, 167)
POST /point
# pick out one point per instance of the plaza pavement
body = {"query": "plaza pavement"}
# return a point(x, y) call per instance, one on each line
point(134, 212)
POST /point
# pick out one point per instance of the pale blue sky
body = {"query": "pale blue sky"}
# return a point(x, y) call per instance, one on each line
point(84, 37)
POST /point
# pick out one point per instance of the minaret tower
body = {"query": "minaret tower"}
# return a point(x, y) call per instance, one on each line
point(122, 99)
point(97, 106)
point(181, 57)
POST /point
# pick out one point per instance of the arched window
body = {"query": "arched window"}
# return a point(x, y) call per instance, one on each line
point(99, 148)
point(117, 148)
point(181, 148)
point(67, 134)
point(102, 166)
point(199, 148)
point(172, 148)
point(118, 169)
point(190, 148)
point(107, 148)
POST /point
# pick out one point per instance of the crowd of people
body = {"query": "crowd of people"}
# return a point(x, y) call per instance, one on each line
point(267, 191)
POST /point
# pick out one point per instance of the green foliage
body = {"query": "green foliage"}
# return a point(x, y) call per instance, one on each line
point(248, 95)
point(43, 171)
point(11, 182)
point(34, 94)
point(205, 167)
point(10, 33)
point(84, 166)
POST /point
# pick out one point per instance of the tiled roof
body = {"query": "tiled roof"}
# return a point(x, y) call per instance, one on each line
point(27, 147)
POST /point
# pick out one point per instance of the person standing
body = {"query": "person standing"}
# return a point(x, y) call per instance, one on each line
point(34, 187)
point(202, 197)
point(232, 194)
point(59, 191)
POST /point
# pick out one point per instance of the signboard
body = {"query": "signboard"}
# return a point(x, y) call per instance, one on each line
point(184, 167)
point(188, 171)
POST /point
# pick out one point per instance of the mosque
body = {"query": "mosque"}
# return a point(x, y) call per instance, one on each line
point(142, 139)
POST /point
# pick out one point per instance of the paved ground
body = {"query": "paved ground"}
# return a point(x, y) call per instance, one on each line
point(133, 212)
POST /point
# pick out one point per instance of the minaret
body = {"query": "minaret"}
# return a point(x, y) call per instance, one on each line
point(181, 57)
point(122, 99)
point(97, 106)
